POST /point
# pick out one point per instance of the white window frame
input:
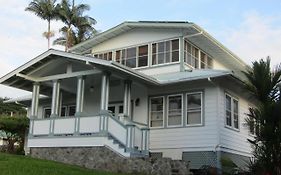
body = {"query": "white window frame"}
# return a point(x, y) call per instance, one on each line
point(186, 106)
point(164, 109)
point(160, 41)
point(168, 105)
point(232, 112)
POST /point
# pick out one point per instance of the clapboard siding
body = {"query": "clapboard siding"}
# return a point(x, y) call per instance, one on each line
point(231, 139)
point(191, 137)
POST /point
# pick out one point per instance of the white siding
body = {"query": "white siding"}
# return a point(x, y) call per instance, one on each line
point(232, 140)
point(190, 138)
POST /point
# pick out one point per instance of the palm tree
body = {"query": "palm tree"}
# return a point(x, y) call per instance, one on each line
point(46, 10)
point(266, 117)
point(77, 27)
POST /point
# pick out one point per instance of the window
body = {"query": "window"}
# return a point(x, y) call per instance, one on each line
point(231, 112)
point(105, 56)
point(47, 113)
point(143, 56)
point(165, 52)
point(174, 110)
point(191, 57)
point(157, 112)
point(63, 111)
point(194, 108)
point(71, 110)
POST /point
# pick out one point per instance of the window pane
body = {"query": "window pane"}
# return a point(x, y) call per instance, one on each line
point(142, 57)
point(203, 61)
point(109, 56)
point(47, 113)
point(117, 58)
point(123, 56)
point(228, 102)
point(167, 57)
point(193, 101)
point(194, 117)
point(175, 44)
point(105, 56)
point(71, 110)
point(175, 102)
point(156, 112)
point(161, 47)
point(210, 62)
point(228, 118)
point(228, 110)
point(154, 61)
point(142, 61)
point(63, 112)
point(175, 110)
point(236, 124)
point(235, 106)
point(175, 56)
point(160, 58)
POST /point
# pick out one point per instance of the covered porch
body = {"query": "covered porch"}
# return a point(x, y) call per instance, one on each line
point(81, 91)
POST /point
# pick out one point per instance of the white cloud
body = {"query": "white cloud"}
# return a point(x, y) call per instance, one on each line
point(256, 37)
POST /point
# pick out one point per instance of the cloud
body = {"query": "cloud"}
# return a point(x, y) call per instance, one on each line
point(257, 36)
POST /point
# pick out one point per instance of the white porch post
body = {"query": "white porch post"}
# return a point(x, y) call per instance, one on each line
point(55, 99)
point(145, 140)
point(104, 101)
point(80, 95)
point(104, 91)
point(127, 97)
point(35, 100)
point(34, 106)
point(79, 102)
point(55, 105)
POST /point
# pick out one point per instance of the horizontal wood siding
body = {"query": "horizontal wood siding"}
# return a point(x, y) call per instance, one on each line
point(232, 140)
point(191, 137)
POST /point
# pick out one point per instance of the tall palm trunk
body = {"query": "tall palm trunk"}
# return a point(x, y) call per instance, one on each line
point(49, 33)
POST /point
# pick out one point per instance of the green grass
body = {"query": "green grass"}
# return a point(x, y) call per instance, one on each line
point(24, 165)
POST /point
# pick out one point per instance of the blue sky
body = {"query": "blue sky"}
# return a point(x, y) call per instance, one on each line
point(250, 28)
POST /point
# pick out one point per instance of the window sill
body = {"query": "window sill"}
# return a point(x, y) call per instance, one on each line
point(231, 128)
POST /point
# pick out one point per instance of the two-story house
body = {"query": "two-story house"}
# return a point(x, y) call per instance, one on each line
point(164, 89)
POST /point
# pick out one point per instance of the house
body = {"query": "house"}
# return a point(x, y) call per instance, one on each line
point(158, 88)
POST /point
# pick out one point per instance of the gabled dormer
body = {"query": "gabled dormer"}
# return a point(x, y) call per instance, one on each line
point(156, 47)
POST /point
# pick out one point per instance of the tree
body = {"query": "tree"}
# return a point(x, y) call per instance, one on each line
point(265, 118)
point(8, 108)
point(13, 130)
point(46, 10)
point(77, 27)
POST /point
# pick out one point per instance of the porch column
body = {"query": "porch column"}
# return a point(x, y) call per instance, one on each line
point(80, 95)
point(55, 98)
point(127, 97)
point(104, 102)
point(35, 100)
point(104, 91)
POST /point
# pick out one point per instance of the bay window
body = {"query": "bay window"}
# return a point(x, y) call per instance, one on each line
point(157, 112)
point(194, 108)
point(231, 112)
point(175, 110)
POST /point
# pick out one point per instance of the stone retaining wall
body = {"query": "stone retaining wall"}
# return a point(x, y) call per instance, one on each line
point(102, 158)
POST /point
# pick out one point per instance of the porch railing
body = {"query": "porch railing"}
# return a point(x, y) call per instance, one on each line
point(131, 136)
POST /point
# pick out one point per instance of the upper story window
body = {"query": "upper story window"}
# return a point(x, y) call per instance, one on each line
point(105, 56)
point(133, 57)
point(231, 112)
point(195, 57)
point(165, 52)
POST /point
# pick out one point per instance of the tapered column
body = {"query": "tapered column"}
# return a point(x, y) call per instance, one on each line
point(127, 97)
point(55, 98)
point(104, 91)
point(35, 100)
point(80, 95)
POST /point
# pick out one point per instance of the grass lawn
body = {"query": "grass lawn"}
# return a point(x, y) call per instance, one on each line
point(24, 165)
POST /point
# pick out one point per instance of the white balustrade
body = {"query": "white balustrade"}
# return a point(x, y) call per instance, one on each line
point(89, 124)
point(117, 130)
point(41, 127)
point(64, 125)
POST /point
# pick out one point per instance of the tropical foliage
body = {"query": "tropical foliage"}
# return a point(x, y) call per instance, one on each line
point(265, 119)
point(46, 10)
point(77, 26)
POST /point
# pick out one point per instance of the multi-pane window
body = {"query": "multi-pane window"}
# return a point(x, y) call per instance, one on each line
point(133, 57)
point(165, 52)
point(231, 112)
point(157, 112)
point(65, 111)
point(174, 110)
point(194, 108)
point(104, 56)
point(191, 57)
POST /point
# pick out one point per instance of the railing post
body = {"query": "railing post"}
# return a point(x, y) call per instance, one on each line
point(130, 137)
point(145, 140)
point(104, 115)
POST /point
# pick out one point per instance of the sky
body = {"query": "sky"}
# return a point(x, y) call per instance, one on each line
point(249, 28)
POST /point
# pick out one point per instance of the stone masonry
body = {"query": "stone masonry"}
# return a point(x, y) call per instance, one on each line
point(102, 158)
